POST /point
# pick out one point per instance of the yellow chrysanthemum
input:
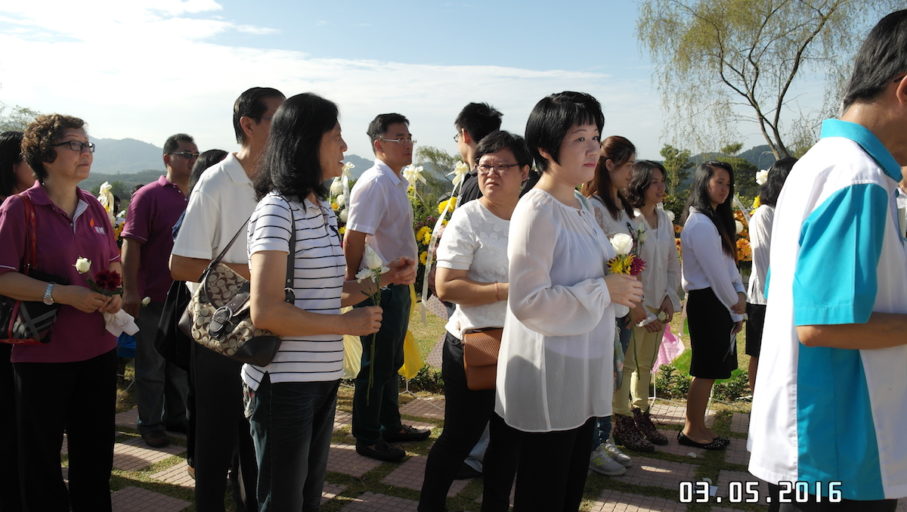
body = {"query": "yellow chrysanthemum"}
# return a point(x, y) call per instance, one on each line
point(757, 202)
point(422, 231)
point(335, 206)
point(342, 230)
point(423, 257)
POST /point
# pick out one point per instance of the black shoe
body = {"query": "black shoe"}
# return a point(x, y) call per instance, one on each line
point(719, 443)
point(407, 433)
point(466, 472)
point(178, 428)
point(155, 438)
point(380, 451)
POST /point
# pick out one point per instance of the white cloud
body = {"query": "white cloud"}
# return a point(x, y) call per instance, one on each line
point(146, 69)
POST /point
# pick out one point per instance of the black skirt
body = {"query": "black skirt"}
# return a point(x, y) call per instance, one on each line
point(755, 321)
point(714, 350)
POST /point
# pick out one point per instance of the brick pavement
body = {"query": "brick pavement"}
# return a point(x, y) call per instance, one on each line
point(156, 480)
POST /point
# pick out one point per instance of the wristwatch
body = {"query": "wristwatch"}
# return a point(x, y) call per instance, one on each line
point(49, 294)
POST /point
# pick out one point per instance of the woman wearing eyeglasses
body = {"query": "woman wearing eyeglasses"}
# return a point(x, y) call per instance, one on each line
point(68, 384)
point(472, 273)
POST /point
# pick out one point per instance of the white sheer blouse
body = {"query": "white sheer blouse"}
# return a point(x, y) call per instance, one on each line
point(555, 364)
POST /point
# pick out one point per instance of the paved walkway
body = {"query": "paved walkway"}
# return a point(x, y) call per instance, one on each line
point(155, 480)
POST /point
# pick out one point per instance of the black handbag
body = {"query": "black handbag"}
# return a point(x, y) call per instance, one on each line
point(218, 316)
point(171, 343)
point(28, 322)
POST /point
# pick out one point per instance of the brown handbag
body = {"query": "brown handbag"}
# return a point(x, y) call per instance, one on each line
point(480, 357)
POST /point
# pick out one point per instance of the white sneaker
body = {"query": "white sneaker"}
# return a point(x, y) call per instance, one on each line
point(603, 464)
point(615, 453)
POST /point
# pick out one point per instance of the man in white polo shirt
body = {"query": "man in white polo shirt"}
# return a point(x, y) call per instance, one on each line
point(220, 204)
point(381, 217)
point(830, 407)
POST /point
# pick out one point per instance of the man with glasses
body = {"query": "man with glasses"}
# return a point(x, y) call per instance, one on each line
point(381, 217)
point(221, 203)
point(473, 123)
point(161, 386)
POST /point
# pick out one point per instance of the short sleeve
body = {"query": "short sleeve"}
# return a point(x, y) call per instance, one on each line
point(459, 243)
point(196, 238)
point(138, 217)
point(12, 234)
point(840, 245)
point(269, 229)
point(367, 206)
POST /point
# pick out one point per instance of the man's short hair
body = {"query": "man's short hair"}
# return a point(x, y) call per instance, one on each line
point(41, 135)
point(881, 59)
point(551, 119)
point(173, 142)
point(251, 104)
point(381, 123)
point(478, 119)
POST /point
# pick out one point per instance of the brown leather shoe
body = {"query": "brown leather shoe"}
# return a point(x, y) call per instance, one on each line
point(406, 433)
point(645, 425)
point(627, 434)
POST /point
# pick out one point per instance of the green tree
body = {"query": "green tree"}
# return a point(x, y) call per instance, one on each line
point(16, 118)
point(713, 55)
point(438, 157)
point(745, 184)
point(677, 163)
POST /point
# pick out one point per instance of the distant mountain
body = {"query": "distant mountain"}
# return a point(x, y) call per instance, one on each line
point(126, 156)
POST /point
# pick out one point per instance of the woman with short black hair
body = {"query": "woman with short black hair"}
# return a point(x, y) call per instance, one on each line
point(555, 364)
point(293, 398)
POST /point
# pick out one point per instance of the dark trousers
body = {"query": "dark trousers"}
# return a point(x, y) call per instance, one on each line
point(221, 431)
point(80, 399)
point(378, 408)
point(161, 386)
point(466, 413)
point(552, 467)
point(9, 458)
point(812, 505)
point(292, 423)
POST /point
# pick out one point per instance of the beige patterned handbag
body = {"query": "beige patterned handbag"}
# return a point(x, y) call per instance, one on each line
point(218, 316)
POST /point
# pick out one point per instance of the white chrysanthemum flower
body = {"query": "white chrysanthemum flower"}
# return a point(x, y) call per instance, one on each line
point(343, 215)
point(739, 226)
point(623, 243)
point(82, 265)
point(761, 177)
point(336, 187)
point(341, 200)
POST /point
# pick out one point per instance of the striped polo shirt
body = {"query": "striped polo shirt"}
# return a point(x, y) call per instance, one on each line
point(319, 277)
point(838, 254)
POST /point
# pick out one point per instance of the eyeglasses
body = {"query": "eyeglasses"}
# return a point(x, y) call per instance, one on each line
point(400, 141)
point(498, 169)
point(76, 145)
point(188, 155)
point(457, 137)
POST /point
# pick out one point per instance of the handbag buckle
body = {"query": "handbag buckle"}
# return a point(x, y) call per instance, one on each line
point(219, 322)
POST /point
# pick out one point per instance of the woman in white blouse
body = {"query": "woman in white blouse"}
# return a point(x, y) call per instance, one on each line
point(555, 365)
point(292, 400)
point(760, 229)
point(607, 193)
point(715, 299)
point(661, 282)
point(472, 273)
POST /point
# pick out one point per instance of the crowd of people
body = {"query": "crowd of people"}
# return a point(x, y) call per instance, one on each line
point(525, 259)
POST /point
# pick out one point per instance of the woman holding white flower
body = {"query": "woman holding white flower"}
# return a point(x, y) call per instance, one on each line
point(292, 400)
point(555, 365)
point(661, 282)
point(607, 191)
point(472, 273)
point(760, 230)
point(715, 298)
point(68, 384)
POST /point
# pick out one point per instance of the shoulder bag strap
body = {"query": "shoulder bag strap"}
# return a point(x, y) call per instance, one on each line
point(223, 253)
point(291, 258)
point(31, 236)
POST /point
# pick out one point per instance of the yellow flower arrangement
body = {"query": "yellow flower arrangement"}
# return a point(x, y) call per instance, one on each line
point(443, 204)
point(744, 251)
point(423, 236)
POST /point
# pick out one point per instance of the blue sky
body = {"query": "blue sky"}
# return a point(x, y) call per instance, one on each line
point(146, 69)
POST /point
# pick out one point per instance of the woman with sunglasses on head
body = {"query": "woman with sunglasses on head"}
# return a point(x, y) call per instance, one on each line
point(69, 383)
point(472, 273)
point(716, 301)
point(555, 364)
point(292, 400)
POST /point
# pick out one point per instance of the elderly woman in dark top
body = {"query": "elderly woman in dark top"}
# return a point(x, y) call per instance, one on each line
point(72, 379)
